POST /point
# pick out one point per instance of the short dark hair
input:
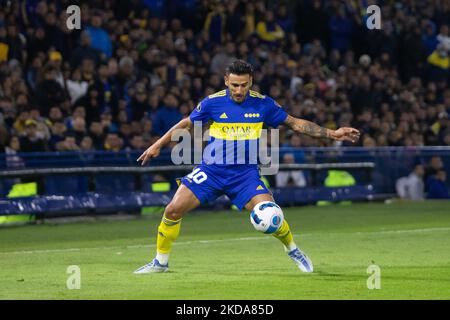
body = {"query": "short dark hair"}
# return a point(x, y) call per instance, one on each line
point(239, 67)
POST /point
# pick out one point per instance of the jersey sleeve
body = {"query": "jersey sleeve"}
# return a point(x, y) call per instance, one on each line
point(201, 112)
point(275, 114)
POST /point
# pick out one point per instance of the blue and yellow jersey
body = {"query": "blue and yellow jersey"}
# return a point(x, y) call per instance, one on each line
point(235, 128)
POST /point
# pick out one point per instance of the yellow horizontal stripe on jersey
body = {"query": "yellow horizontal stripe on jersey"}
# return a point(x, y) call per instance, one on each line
point(236, 130)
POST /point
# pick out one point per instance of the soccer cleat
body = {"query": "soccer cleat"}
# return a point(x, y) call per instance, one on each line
point(153, 267)
point(301, 259)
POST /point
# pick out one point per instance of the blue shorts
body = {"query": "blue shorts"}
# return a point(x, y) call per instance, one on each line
point(239, 182)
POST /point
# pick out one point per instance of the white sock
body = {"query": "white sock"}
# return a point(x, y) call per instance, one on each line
point(163, 258)
point(291, 247)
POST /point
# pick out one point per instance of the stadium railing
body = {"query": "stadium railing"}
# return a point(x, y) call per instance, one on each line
point(93, 200)
point(391, 163)
point(99, 180)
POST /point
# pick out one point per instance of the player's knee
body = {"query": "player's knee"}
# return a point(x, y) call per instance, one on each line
point(173, 211)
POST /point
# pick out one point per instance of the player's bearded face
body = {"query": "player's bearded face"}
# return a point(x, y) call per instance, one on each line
point(238, 85)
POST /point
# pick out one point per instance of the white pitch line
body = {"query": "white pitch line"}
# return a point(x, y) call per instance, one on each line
point(139, 246)
point(406, 231)
point(130, 247)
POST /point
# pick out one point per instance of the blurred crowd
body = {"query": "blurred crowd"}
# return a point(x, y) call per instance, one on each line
point(137, 67)
point(425, 181)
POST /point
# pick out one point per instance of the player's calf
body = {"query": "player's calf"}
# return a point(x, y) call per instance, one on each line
point(268, 217)
point(169, 229)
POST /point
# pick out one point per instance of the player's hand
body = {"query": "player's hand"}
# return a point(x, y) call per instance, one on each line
point(152, 152)
point(346, 134)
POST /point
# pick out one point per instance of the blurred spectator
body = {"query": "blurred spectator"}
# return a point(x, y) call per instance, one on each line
point(369, 142)
point(104, 86)
point(234, 21)
point(42, 123)
point(33, 71)
point(78, 129)
point(437, 187)
point(59, 130)
point(13, 160)
point(139, 103)
point(91, 102)
point(85, 50)
point(429, 37)
point(96, 132)
point(68, 144)
point(75, 86)
point(137, 142)
point(215, 22)
point(31, 142)
point(167, 116)
point(19, 124)
point(99, 37)
point(38, 43)
point(269, 30)
point(284, 20)
point(55, 114)
point(87, 69)
point(86, 144)
point(443, 37)
point(435, 164)
point(223, 58)
point(15, 43)
point(4, 136)
point(341, 29)
point(125, 77)
point(438, 64)
point(4, 47)
point(312, 21)
point(412, 186)
point(48, 91)
point(113, 142)
point(295, 141)
point(290, 178)
point(412, 61)
point(106, 121)
point(249, 20)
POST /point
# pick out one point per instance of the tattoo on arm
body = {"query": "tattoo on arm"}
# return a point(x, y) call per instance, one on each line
point(307, 127)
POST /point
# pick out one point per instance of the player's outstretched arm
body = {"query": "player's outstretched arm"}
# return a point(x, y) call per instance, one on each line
point(154, 150)
point(311, 129)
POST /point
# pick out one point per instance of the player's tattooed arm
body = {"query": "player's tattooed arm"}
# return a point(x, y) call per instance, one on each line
point(311, 129)
point(307, 127)
point(154, 150)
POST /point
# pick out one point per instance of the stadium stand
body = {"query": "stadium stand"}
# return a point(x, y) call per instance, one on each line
point(134, 69)
point(137, 67)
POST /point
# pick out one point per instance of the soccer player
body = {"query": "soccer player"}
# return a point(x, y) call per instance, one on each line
point(237, 113)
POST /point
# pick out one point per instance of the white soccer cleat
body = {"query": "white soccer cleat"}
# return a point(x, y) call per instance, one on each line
point(301, 259)
point(153, 267)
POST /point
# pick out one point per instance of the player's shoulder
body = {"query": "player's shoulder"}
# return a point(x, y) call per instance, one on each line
point(256, 95)
point(217, 95)
point(265, 100)
point(216, 98)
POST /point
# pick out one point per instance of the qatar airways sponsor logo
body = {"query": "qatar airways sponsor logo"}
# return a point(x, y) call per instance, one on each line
point(261, 147)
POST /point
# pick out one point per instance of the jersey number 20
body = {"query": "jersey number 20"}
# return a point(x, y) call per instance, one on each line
point(197, 176)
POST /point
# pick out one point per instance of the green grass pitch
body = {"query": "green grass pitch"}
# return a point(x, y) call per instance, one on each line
point(220, 256)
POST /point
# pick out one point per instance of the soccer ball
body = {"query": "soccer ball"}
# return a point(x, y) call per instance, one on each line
point(267, 217)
